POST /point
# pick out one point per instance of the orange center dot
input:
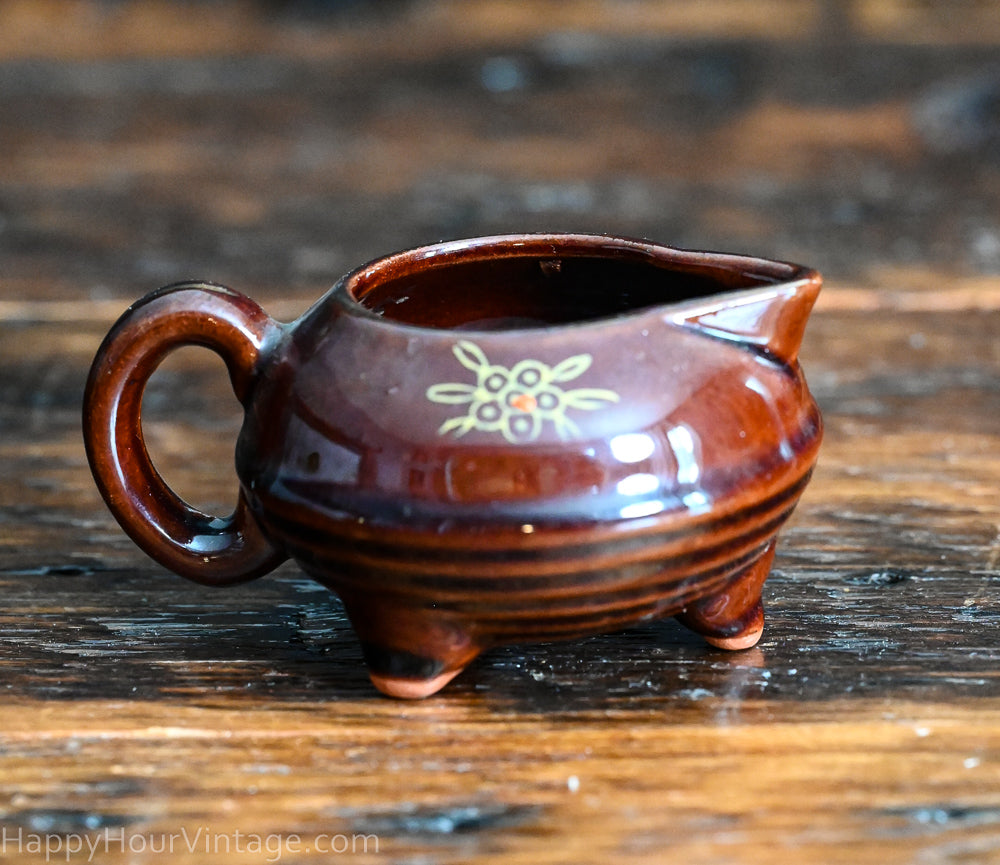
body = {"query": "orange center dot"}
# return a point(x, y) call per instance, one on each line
point(524, 402)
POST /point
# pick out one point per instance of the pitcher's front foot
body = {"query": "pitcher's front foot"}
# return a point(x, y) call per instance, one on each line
point(410, 651)
point(406, 675)
point(411, 689)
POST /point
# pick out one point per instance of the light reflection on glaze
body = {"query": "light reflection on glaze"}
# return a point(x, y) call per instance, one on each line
point(639, 484)
point(632, 447)
point(641, 509)
point(687, 451)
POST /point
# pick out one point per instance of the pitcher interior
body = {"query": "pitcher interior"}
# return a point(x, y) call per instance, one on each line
point(537, 291)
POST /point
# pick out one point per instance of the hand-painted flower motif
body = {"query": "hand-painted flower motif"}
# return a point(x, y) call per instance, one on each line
point(516, 402)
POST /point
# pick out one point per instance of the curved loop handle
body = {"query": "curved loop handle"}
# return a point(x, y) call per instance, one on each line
point(195, 545)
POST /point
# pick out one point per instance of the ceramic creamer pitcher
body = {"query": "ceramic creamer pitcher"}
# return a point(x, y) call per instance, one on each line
point(504, 439)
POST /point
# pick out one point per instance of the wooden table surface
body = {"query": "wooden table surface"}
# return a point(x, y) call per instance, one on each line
point(272, 146)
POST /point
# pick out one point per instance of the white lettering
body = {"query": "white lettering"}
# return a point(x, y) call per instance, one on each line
point(192, 844)
point(11, 839)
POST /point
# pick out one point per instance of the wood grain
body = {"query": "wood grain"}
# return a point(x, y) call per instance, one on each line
point(275, 147)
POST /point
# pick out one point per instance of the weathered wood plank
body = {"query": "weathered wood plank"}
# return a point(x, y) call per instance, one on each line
point(453, 781)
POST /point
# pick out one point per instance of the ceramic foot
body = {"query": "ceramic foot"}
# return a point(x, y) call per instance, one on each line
point(734, 618)
point(411, 689)
point(752, 627)
point(401, 673)
point(410, 653)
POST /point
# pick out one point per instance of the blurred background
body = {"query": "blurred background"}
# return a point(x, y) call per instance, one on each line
point(275, 144)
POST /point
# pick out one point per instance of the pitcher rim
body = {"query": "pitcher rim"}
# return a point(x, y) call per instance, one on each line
point(775, 275)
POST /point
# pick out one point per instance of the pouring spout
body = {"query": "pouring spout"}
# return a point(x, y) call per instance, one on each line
point(771, 319)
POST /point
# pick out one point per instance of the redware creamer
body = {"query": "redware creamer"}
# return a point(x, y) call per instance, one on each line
point(496, 440)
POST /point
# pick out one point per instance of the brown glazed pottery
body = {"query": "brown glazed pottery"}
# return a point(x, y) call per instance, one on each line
point(497, 440)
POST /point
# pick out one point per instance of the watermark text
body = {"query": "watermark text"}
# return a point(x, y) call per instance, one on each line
point(94, 846)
